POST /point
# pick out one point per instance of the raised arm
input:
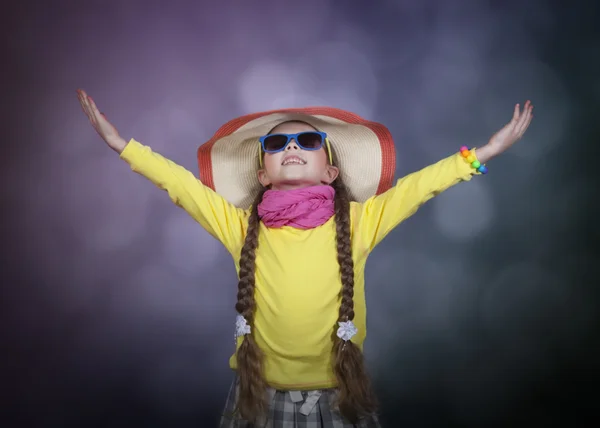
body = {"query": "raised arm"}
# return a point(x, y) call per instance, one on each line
point(221, 219)
point(376, 217)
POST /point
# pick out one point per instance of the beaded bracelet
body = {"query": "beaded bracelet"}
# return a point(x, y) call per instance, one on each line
point(469, 157)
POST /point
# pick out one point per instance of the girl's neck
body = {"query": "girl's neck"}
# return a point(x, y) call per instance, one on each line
point(295, 186)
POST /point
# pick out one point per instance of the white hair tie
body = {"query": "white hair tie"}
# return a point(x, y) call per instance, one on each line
point(241, 326)
point(346, 330)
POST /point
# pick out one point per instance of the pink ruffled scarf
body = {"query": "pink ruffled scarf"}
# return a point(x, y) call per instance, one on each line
point(305, 208)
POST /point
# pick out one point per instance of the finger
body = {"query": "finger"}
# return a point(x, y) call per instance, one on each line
point(527, 111)
point(94, 109)
point(516, 113)
point(83, 101)
point(80, 98)
point(524, 123)
point(84, 105)
point(523, 116)
point(511, 126)
point(94, 113)
point(528, 117)
point(88, 112)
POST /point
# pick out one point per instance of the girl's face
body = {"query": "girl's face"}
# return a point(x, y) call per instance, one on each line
point(293, 167)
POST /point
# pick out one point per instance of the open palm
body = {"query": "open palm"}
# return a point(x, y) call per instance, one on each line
point(514, 130)
point(103, 127)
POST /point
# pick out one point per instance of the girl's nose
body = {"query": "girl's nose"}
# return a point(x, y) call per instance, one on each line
point(293, 145)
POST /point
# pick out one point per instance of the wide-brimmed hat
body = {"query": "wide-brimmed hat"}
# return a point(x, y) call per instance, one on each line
point(364, 152)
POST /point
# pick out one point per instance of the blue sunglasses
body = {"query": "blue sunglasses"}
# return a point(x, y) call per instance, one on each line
point(311, 140)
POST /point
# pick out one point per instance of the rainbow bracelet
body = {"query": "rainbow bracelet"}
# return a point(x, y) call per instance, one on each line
point(469, 157)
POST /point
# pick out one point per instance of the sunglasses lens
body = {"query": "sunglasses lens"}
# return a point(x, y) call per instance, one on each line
point(274, 143)
point(310, 140)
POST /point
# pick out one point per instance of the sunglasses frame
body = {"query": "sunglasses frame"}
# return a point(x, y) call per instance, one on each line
point(294, 137)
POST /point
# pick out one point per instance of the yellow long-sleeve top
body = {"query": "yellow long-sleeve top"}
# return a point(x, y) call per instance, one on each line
point(297, 273)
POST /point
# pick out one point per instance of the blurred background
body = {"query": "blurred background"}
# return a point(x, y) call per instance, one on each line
point(117, 309)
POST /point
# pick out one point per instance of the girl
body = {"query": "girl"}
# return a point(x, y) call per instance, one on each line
point(300, 197)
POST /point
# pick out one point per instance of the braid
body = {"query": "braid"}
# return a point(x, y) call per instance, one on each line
point(252, 387)
point(356, 396)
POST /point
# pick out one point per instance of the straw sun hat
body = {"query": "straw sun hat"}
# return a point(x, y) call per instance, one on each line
point(363, 150)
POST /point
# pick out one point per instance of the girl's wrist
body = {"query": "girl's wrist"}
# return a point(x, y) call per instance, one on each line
point(486, 153)
point(116, 143)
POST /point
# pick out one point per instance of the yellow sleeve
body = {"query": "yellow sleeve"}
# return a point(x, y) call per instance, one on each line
point(221, 219)
point(377, 216)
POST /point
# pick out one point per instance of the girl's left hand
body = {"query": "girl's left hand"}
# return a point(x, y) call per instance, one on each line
point(508, 135)
point(514, 130)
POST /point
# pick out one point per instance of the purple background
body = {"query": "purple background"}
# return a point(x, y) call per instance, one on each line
point(117, 308)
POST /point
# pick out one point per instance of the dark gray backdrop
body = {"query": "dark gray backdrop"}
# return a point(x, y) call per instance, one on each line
point(117, 308)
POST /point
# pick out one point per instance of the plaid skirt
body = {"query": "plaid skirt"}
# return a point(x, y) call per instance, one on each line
point(294, 409)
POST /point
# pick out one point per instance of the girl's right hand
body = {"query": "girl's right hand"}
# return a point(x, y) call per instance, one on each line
point(102, 126)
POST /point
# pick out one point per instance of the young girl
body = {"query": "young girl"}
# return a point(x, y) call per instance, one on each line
point(300, 197)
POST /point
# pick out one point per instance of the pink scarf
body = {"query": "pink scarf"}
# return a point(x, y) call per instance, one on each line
point(300, 208)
